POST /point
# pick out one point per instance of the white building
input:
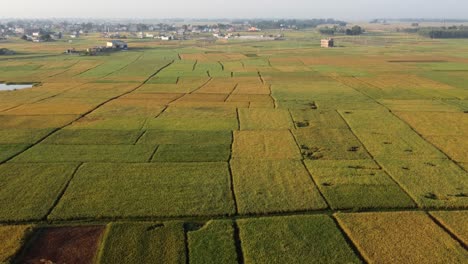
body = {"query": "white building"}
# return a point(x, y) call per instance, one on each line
point(117, 44)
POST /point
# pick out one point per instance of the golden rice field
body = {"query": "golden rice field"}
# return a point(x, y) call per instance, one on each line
point(236, 152)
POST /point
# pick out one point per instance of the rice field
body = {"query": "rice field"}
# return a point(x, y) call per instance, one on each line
point(237, 152)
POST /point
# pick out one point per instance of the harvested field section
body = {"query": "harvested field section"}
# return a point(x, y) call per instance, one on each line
point(455, 221)
point(274, 186)
point(355, 187)
point(30, 190)
point(264, 119)
point(431, 183)
point(294, 239)
point(330, 144)
point(138, 190)
point(401, 237)
point(264, 145)
point(12, 237)
point(145, 242)
point(64, 245)
point(213, 243)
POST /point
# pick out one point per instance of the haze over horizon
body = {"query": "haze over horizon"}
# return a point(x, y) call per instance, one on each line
point(211, 9)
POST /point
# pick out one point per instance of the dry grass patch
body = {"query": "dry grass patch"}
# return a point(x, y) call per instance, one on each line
point(401, 237)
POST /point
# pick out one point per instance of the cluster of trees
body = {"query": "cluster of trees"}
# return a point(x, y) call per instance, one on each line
point(440, 32)
point(354, 31)
point(294, 23)
point(444, 32)
point(4, 51)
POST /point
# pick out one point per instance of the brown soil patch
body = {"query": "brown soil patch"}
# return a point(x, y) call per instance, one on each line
point(64, 245)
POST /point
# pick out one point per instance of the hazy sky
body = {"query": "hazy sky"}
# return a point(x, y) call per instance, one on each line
point(344, 9)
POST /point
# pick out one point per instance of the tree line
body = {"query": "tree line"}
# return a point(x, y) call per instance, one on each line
point(440, 32)
point(354, 31)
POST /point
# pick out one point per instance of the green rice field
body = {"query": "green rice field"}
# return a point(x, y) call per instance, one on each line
point(236, 152)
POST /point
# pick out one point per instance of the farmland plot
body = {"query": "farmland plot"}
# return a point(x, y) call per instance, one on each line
point(236, 151)
point(107, 190)
point(267, 145)
point(264, 119)
point(409, 237)
point(274, 186)
point(431, 183)
point(29, 190)
point(332, 144)
point(455, 221)
point(355, 187)
point(294, 239)
point(144, 242)
point(12, 238)
point(213, 243)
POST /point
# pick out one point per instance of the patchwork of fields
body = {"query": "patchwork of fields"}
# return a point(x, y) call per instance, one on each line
point(239, 152)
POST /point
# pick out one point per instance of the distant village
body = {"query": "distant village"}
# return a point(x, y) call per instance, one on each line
point(118, 33)
point(52, 30)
